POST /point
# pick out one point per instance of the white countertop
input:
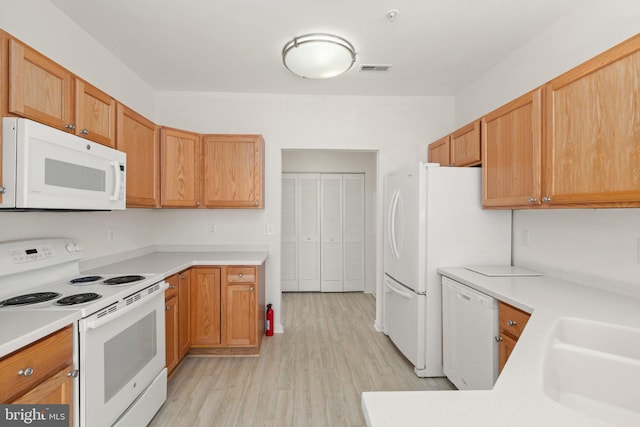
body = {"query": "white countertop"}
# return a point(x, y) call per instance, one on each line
point(168, 263)
point(517, 398)
point(22, 327)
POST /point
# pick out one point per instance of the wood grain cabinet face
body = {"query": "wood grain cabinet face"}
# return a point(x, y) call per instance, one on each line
point(233, 171)
point(592, 145)
point(205, 307)
point(239, 307)
point(171, 333)
point(511, 323)
point(40, 89)
point(51, 360)
point(511, 150)
point(440, 151)
point(180, 154)
point(184, 310)
point(95, 114)
point(138, 137)
point(465, 145)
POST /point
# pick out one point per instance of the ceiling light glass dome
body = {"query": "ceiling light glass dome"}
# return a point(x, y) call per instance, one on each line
point(318, 56)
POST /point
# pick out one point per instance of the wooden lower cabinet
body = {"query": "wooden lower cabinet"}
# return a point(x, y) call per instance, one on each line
point(205, 307)
point(177, 319)
point(511, 323)
point(184, 310)
point(51, 361)
point(171, 333)
point(239, 307)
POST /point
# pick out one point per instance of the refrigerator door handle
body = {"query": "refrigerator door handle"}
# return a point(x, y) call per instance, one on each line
point(397, 291)
point(393, 208)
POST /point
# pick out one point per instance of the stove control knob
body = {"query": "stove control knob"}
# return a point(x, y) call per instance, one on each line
point(77, 247)
point(70, 247)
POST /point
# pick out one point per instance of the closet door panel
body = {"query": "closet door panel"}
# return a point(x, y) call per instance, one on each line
point(289, 234)
point(331, 232)
point(309, 220)
point(353, 234)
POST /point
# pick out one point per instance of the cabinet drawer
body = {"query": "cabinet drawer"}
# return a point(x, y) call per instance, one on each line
point(241, 275)
point(45, 357)
point(512, 320)
point(172, 290)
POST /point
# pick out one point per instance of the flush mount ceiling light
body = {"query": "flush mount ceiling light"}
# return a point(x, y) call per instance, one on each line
point(318, 56)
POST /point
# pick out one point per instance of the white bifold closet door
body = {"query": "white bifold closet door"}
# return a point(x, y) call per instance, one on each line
point(322, 232)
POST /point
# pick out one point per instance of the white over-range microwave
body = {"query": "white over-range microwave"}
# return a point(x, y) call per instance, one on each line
point(45, 168)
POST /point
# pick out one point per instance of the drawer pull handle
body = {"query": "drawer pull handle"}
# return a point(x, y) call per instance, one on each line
point(73, 373)
point(240, 275)
point(172, 286)
point(511, 322)
point(25, 372)
point(498, 339)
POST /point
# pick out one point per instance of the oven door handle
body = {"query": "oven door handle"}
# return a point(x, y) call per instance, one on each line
point(96, 323)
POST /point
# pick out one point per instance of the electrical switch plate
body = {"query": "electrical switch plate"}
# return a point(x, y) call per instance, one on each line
point(212, 229)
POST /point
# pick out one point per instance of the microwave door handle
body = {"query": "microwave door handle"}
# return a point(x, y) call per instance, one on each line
point(117, 180)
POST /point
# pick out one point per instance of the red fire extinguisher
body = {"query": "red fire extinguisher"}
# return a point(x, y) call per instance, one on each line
point(269, 325)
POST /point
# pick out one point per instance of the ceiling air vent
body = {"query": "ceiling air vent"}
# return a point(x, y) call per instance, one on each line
point(375, 67)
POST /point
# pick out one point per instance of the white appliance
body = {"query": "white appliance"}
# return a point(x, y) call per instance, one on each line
point(119, 343)
point(469, 329)
point(45, 168)
point(433, 218)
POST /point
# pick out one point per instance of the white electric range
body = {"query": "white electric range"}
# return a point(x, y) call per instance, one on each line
point(119, 342)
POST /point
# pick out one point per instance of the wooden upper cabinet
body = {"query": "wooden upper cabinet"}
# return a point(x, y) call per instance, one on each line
point(39, 88)
point(592, 144)
point(511, 156)
point(233, 171)
point(138, 137)
point(440, 151)
point(95, 114)
point(465, 145)
point(181, 160)
point(4, 90)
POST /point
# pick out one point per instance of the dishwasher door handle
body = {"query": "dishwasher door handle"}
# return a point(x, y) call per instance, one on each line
point(397, 291)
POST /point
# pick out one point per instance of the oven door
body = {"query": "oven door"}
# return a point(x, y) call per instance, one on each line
point(120, 356)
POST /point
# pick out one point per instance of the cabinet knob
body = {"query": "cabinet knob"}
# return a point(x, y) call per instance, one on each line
point(251, 289)
point(197, 202)
point(240, 275)
point(511, 322)
point(84, 131)
point(172, 286)
point(546, 199)
point(70, 126)
point(167, 308)
point(255, 203)
point(532, 200)
point(182, 277)
point(73, 373)
point(498, 339)
point(2, 190)
point(26, 372)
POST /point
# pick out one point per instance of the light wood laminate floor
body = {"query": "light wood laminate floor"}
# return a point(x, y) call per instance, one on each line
point(312, 375)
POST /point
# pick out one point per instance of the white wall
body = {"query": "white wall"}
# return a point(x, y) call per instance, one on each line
point(396, 127)
point(597, 247)
point(341, 161)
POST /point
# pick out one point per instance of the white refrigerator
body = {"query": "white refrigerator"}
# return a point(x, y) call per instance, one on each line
point(433, 218)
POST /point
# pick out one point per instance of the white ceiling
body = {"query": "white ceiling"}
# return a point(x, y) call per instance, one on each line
point(436, 47)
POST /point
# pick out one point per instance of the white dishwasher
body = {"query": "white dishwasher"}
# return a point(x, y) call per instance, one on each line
point(469, 328)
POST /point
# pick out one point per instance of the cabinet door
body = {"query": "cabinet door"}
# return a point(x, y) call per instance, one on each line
point(511, 144)
point(233, 171)
point(440, 151)
point(592, 145)
point(239, 312)
point(331, 232)
point(171, 333)
point(138, 137)
point(39, 88)
point(289, 233)
point(205, 307)
point(4, 91)
point(507, 344)
point(184, 308)
point(180, 154)
point(465, 145)
point(95, 114)
point(353, 234)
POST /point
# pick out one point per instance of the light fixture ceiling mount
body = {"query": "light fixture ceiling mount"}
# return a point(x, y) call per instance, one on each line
point(318, 56)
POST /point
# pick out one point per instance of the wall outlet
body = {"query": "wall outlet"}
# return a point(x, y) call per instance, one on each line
point(212, 229)
point(524, 237)
point(111, 234)
point(269, 229)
